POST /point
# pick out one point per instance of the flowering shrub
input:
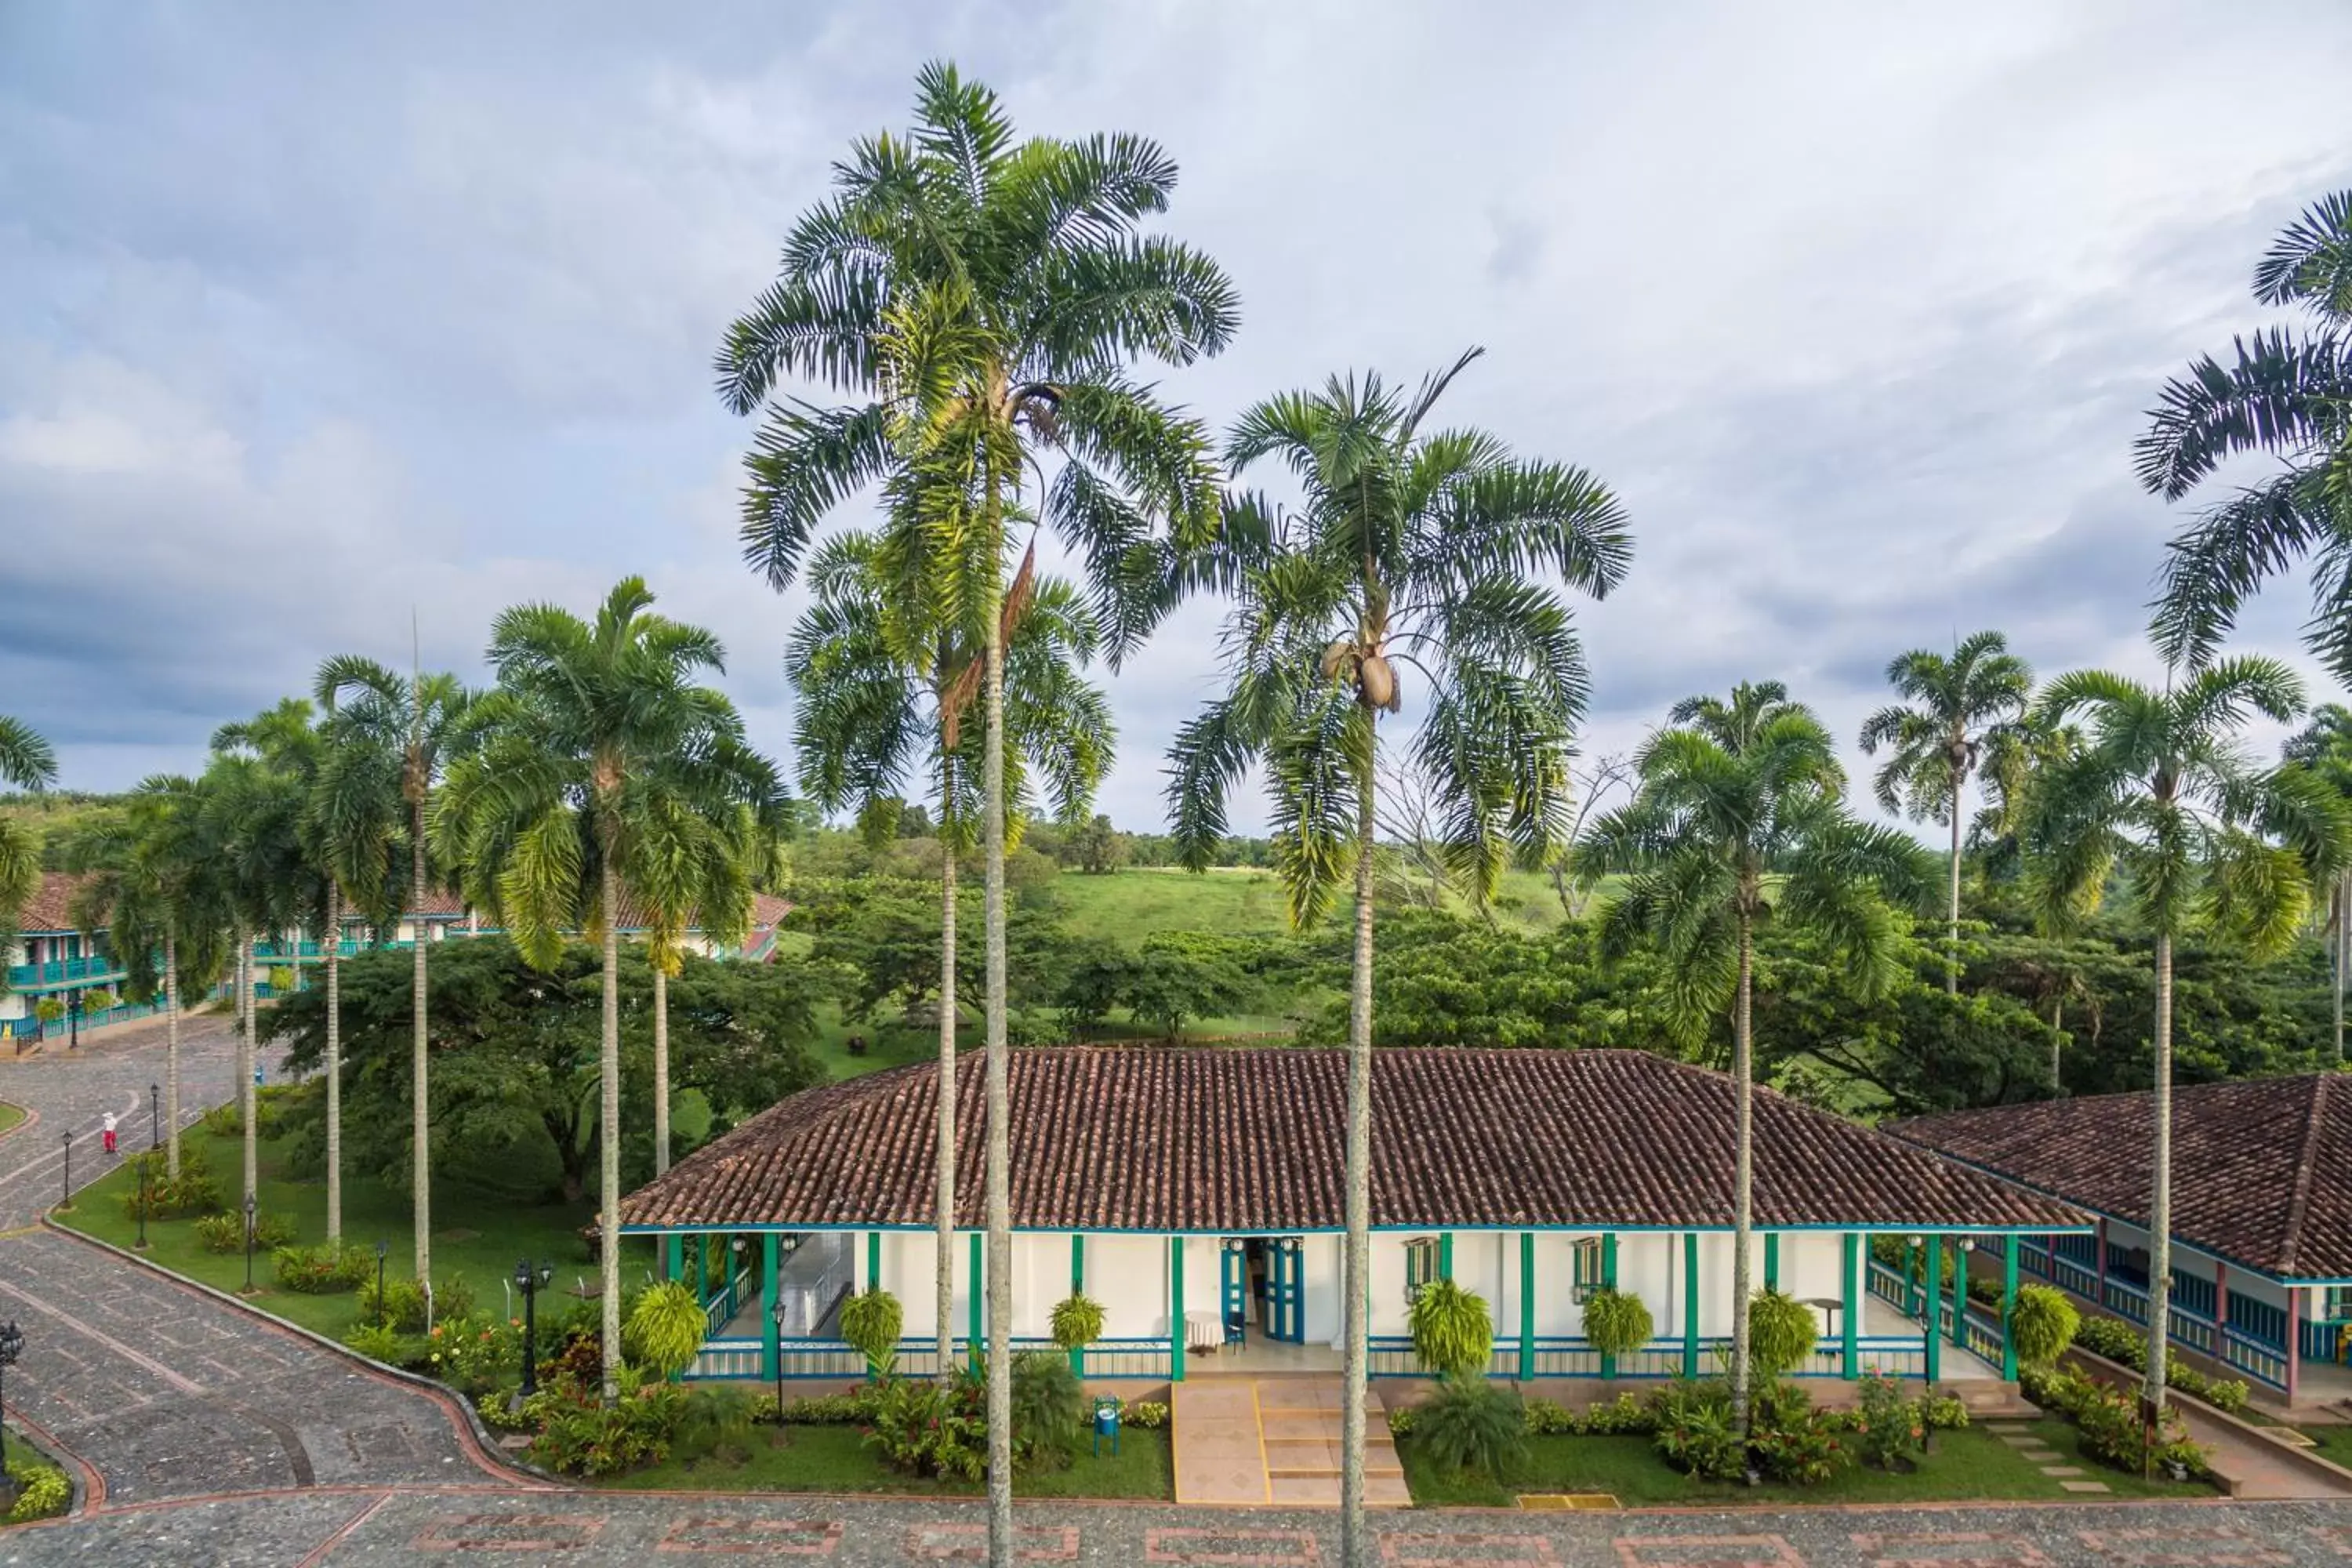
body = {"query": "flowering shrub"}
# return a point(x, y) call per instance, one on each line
point(471, 1353)
point(580, 1435)
point(46, 1491)
point(1889, 1430)
point(317, 1270)
point(1694, 1431)
point(926, 1430)
point(1145, 1414)
point(193, 1192)
point(1805, 1453)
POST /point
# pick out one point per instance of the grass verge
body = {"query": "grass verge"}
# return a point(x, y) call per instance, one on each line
point(837, 1460)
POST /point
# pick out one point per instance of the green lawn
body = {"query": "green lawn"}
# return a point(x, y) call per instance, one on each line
point(836, 1460)
point(478, 1237)
point(2331, 1442)
point(11, 1117)
point(1966, 1465)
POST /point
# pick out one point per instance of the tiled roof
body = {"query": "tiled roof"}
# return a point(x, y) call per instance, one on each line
point(51, 907)
point(768, 911)
point(1236, 1141)
point(440, 904)
point(2261, 1170)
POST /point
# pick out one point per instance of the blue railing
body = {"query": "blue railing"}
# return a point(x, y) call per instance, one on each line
point(1568, 1357)
point(833, 1361)
point(63, 971)
point(2250, 1343)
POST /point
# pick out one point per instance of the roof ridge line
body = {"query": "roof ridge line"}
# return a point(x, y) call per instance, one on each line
point(2312, 1122)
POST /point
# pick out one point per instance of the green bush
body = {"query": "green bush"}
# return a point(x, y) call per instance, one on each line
point(1781, 1334)
point(2126, 1345)
point(1548, 1419)
point(1145, 1414)
point(45, 1492)
point(1452, 1333)
point(400, 1307)
point(922, 1429)
point(1469, 1426)
point(225, 1232)
point(2043, 1324)
point(1078, 1320)
point(389, 1346)
point(1616, 1323)
point(582, 1436)
point(666, 1329)
point(1623, 1415)
point(1805, 1453)
point(1944, 1413)
point(1890, 1430)
point(823, 1409)
point(872, 1321)
point(194, 1192)
point(1049, 1411)
point(716, 1424)
point(1694, 1431)
point(470, 1353)
point(321, 1270)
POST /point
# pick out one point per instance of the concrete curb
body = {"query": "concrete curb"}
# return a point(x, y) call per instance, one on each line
point(487, 1454)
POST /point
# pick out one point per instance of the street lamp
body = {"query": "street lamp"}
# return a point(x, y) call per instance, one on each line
point(529, 1280)
point(383, 1248)
point(65, 1198)
point(73, 1021)
point(252, 1212)
point(12, 1345)
point(776, 1318)
point(155, 1116)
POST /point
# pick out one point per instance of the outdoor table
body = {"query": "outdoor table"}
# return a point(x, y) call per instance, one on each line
point(1204, 1332)
point(1829, 1307)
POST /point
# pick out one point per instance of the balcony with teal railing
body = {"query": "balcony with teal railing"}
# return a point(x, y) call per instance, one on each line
point(304, 951)
point(88, 970)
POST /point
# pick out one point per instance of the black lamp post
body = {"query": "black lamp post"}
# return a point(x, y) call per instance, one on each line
point(776, 1320)
point(12, 1345)
point(73, 1021)
point(252, 1212)
point(155, 1116)
point(383, 1248)
point(64, 1197)
point(528, 1280)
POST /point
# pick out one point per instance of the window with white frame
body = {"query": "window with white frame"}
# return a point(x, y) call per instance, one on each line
point(1588, 1266)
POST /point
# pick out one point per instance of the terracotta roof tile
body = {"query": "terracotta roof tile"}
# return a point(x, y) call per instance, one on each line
point(51, 907)
point(1234, 1141)
point(2262, 1169)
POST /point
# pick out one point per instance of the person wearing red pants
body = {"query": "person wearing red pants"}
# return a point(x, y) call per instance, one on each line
point(108, 1125)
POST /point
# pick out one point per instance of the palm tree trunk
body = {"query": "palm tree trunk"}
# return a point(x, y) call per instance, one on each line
point(172, 1052)
point(661, 1068)
point(420, 1129)
point(1952, 972)
point(1355, 1270)
point(247, 1101)
point(608, 1195)
point(999, 1269)
point(2159, 1208)
point(2343, 937)
point(943, 1198)
point(332, 953)
point(2058, 1038)
point(1743, 1172)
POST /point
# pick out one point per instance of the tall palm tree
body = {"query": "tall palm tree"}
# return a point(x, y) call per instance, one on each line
point(597, 774)
point(419, 715)
point(153, 886)
point(980, 298)
point(2287, 394)
point(26, 761)
point(1959, 706)
point(2164, 793)
point(355, 819)
point(1739, 820)
point(1412, 550)
point(2324, 747)
point(262, 773)
point(866, 658)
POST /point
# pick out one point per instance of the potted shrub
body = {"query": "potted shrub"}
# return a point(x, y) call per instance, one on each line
point(1781, 1334)
point(1077, 1323)
point(1616, 1323)
point(2041, 1324)
point(666, 1329)
point(870, 1323)
point(1452, 1333)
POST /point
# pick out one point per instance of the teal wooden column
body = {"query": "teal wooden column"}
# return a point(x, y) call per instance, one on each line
point(1934, 1292)
point(1850, 1286)
point(1446, 1255)
point(1078, 1288)
point(1911, 1277)
point(1527, 1305)
point(1772, 1260)
point(770, 1335)
point(874, 1261)
point(1608, 1282)
point(2009, 1306)
point(1690, 1303)
point(1176, 1308)
point(673, 1255)
point(1959, 1296)
point(979, 1336)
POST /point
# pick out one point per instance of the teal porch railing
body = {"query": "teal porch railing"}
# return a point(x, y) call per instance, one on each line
point(85, 970)
point(1393, 1356)
point(832, 1361)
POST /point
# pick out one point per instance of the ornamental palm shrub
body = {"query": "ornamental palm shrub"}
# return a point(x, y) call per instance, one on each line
point(667, 1327)
point(1078, 1320)
point(1049, 1411)
point(1780, 1333)
point(1452, 1332)
point(2043, 1324)
point(1616, 1323)
point(1469, 1426)
point(871, 1321)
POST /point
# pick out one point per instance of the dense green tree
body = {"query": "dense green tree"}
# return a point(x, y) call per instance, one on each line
point(26, 763)
point(2164, 793)
point(1426, 551)
point(2324, 746)
point(2286, 393)
point(1958, 706)
point(598, 771)
point(982, 297)
point(1740, 820)
point(419, 715)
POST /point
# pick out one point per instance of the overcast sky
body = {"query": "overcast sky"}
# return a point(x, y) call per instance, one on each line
point(313, 315)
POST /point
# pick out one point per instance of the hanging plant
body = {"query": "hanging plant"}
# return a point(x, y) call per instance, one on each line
point(2043, 1324)
point(1616, 1323)
point(666, 1329)
point(1452, 1332)
point(1780, 1333)
point(1077, 1322)
point(870, 1323)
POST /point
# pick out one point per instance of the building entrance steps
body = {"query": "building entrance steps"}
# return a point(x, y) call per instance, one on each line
point(1275, 1440)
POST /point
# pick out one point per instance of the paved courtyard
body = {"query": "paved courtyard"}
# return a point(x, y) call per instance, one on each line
point(206, 1437)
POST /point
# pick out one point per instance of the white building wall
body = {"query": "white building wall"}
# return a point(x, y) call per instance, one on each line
point(1129, 1275)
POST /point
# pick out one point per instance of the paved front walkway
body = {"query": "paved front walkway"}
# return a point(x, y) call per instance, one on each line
point(370, 1529)
point(1249, 1441)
